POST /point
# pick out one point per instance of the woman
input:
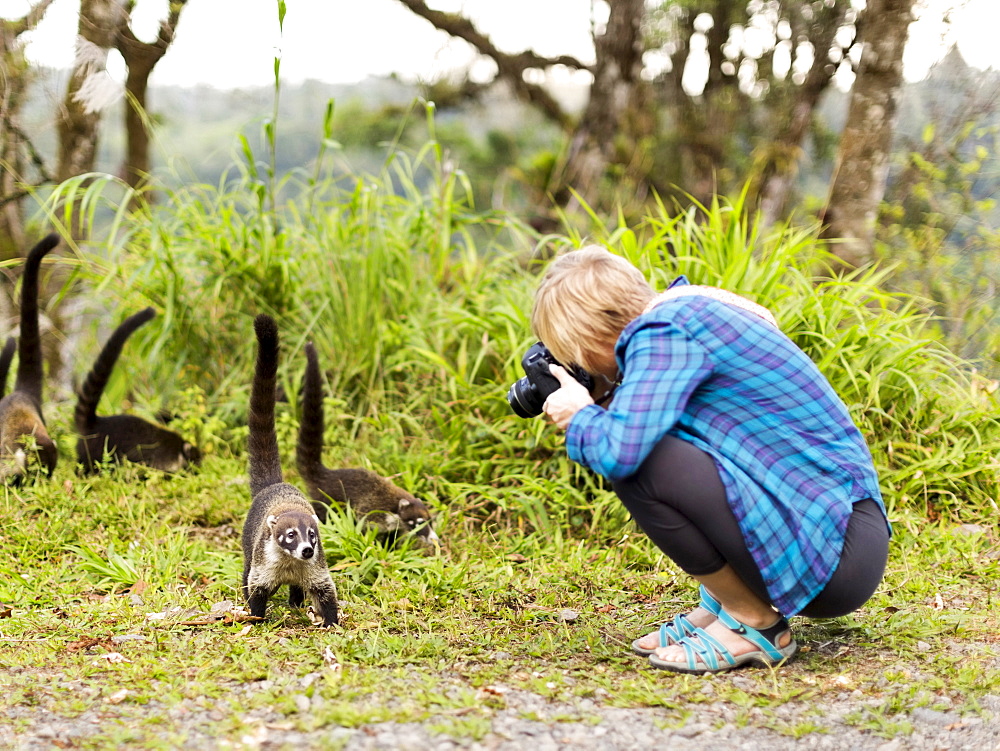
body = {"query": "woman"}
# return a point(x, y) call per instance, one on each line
point(728, 447)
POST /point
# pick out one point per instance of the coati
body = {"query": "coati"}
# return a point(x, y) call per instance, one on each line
point(23, 435)
point(281, 543)
point(124, 437)
point(392, 510)
point(6, 358)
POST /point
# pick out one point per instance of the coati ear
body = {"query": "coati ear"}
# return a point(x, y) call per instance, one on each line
point(404, 503)
point(271, 521)
point(316, 519)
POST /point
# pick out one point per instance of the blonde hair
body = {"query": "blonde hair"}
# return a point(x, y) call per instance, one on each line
point(584, 301)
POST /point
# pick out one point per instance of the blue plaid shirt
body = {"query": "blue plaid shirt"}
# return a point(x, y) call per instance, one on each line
point(791, 459)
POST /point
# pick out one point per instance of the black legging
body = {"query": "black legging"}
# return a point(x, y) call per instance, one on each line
point(678, 500)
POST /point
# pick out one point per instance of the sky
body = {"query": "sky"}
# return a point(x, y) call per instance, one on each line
point(232, 43)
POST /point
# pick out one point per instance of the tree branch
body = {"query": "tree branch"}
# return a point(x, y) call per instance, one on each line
point(511, 67)
point(128, 44)
point(30, 19)
point(36, 158)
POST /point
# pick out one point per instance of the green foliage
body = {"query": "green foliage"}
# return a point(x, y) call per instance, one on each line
point(929, 419)
point(418, 305)
point(938, 224)
point(123, 596)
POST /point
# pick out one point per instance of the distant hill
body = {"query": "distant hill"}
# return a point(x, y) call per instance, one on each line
point(198, 128)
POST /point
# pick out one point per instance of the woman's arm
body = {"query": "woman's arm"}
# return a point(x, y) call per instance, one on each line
point(663, 366)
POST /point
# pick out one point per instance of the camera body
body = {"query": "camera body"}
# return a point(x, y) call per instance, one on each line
point(527, 395)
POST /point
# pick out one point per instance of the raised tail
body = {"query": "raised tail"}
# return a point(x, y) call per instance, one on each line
point(265, 461)
point(6, 357)
point(29, 364)
point(93, 387)
point(309, 450)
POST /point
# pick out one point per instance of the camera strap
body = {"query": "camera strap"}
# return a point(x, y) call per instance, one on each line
point(609, 392)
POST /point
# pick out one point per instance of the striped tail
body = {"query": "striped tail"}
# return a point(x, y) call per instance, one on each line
point(309, 450)
point(6, 358)
point(29, 365)
point(85, 414)
point(265, 461)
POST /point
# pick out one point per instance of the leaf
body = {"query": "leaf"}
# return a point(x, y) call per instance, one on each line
point(345, 565)
point(568, 615)
point(84, 644)
point(113, 658)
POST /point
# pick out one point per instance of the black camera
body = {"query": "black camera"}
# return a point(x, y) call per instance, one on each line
point(527, 395)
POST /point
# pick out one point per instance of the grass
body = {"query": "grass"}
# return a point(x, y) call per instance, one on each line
point(418, 304)
point(102, 615)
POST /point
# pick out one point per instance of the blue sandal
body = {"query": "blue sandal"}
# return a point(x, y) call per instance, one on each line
point(673, 631)
point(704, 653)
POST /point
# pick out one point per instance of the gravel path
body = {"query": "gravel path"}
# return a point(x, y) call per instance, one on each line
point(583, 724)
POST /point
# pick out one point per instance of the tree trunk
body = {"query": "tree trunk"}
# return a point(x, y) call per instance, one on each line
point(16, 77)
point(612, 126)
point(784, 152)
point(79, 117)
point(137, 165)
point(140, 59)
point(862, 164)
point(615, 119)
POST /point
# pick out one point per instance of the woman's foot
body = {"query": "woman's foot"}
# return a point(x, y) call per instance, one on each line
point(699, 618)
point(727, 643)
point(680, 626)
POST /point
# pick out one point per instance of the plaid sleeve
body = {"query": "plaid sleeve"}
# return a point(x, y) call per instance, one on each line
point(662, 368)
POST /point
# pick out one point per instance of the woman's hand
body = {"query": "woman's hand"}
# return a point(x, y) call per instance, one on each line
point(569, 399)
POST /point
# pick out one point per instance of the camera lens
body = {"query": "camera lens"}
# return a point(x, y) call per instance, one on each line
point(522, 397)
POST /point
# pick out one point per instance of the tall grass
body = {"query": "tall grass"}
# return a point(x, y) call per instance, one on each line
point(930, 421)
point(418, 305)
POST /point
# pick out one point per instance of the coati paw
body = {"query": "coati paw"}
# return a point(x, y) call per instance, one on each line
point(314, 618)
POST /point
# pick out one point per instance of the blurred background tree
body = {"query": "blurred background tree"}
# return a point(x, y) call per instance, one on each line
point(792, 101)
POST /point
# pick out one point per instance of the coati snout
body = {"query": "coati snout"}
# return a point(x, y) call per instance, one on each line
point(295, 533)
point(26, 457)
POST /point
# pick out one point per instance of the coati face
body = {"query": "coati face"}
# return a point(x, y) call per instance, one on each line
point(26, 450)
point(170, 458)
point(192, 454)
point(415, 516)
point(27, 462)
point(295, 533)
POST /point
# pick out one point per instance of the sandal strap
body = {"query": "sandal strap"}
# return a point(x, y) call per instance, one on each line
point(702, 645)
point(708, 602)
point(675, 630)
point(766, 639)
